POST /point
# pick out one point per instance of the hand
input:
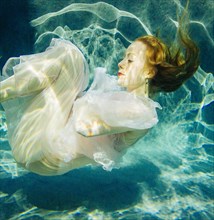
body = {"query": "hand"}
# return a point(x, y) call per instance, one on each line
point(93, 127)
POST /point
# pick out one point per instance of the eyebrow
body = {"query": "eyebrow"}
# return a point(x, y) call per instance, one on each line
point(130, 53)
point(130, 56)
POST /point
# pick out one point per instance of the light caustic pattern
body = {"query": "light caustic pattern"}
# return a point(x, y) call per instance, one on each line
point(179, 150)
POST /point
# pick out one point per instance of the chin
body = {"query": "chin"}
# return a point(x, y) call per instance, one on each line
point(119, 82)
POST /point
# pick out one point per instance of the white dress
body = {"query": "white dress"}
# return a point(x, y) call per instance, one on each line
point(42, 126)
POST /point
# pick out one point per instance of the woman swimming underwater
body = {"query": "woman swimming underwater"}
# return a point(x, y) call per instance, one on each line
point(54, 126)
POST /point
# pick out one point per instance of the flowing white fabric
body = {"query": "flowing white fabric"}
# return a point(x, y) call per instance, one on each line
point(116, 107)
point(41, 126)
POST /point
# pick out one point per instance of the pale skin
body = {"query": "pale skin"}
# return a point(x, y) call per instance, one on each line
point(132, 75)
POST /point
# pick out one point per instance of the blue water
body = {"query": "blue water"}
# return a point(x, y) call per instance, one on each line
point(169, 173)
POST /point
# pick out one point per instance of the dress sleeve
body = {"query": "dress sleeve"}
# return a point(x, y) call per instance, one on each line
point(117, 109)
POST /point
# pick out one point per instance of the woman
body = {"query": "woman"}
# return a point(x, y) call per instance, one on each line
point(55, 126)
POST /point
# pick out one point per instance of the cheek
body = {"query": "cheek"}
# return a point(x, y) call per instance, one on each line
point(133, 80)
point(135, 74)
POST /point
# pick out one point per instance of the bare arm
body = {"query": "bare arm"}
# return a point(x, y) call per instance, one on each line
point(125, 136)
point(94, 127)
point(120, 113)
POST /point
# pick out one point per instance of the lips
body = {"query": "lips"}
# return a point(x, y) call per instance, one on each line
point(120, 74)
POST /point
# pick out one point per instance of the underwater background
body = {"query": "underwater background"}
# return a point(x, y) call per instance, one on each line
point(168, 174)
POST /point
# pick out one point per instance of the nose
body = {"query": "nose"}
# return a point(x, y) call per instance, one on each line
point(120, 64)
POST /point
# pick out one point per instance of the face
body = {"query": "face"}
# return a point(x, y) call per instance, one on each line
point(132, 71)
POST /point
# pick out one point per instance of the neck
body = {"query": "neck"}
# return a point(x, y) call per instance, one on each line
point(142, 90)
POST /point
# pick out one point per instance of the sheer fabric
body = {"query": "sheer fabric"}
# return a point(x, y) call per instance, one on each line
point(43, 117)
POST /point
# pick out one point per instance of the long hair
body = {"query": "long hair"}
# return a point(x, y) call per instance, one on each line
point(172, 66)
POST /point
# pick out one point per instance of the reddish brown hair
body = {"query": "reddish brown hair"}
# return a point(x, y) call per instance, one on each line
point(171, 67)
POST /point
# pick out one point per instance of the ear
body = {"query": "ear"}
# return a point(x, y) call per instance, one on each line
point(151, 72)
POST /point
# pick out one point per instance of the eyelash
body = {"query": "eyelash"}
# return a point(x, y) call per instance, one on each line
point(130, 61)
